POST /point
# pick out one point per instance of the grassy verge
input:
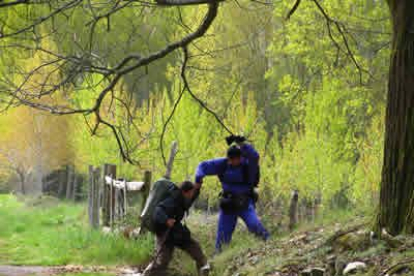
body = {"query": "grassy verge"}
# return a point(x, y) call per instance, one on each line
point(57, 234)
point(49, 232)
point(247, 255)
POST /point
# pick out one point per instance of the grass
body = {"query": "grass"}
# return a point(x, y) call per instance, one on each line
point(50, 232)
point(243, 244)
point(34, 233)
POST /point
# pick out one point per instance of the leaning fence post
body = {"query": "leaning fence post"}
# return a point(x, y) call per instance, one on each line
point(174, 149)
point(146, 188)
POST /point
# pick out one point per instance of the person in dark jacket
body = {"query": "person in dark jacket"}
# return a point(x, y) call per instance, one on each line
point(171, 233)
point(238, 174)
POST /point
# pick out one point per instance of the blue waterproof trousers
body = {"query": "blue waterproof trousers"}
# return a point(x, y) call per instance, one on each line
point(227, 224)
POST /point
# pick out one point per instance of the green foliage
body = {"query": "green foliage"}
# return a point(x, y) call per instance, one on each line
point(59, 235)
point(291, 86)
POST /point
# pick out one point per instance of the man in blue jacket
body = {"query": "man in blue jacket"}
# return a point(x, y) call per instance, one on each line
point(238, 174)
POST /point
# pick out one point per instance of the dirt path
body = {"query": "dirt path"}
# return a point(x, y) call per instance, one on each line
point(9, 270)
point(6, 270)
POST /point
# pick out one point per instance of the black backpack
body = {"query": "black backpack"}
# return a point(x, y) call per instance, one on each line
point(160, 190)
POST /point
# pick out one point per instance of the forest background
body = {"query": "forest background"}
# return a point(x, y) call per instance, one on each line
point(315, 116)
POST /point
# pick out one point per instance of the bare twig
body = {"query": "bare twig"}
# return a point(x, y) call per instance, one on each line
point(199, 101)
point(403, 263)
point(42, 19)
point(340, 28)
point(293, 10)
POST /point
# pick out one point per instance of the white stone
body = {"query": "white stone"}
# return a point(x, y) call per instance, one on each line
point(354, 267)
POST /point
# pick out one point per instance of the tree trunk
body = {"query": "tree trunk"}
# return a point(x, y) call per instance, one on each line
point(69, 183)
point(23, 187)
point(22, 176)
point(74, 194)
point(62, 183)
point(397, 185)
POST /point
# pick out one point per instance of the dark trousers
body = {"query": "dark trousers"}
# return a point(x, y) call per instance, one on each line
point(164, 254)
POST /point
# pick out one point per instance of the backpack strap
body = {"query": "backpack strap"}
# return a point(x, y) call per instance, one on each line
point(245, 171)
point(223, 169)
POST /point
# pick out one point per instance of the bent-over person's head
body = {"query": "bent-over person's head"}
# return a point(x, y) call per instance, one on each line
point(187, 189)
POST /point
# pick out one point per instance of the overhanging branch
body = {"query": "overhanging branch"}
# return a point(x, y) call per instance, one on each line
point(183, 2)
point(293, 10)
point(14, 3)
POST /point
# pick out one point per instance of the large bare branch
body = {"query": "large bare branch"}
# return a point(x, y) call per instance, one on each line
point(183, 2)
point(87, 63)
point(14, 3)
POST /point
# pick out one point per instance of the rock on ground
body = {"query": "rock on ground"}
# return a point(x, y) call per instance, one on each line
point(354, 267)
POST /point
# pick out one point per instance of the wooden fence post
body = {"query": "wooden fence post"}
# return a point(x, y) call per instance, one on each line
point(93, 196)
point(293, 210)
point(125, 199)
point(90, 195)
point(109, 170)
point(111, 202)
point(96, 191)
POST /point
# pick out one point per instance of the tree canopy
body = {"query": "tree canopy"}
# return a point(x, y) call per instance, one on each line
point(304, 81)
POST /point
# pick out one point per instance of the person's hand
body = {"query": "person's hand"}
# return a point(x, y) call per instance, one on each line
point(170, 223)
point(230, 139)
point(239, 139)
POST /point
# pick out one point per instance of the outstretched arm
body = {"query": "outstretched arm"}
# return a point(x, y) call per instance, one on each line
point(209, 167)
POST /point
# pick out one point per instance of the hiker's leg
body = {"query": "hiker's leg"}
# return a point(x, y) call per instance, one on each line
point(193, 249)
point(253, 223)
point(163, 256)
point(226, 225)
